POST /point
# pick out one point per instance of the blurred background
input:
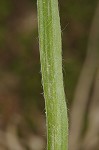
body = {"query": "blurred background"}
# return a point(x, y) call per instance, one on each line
point(22, 112)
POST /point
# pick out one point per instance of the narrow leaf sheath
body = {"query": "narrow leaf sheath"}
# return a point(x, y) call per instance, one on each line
point(52, 77)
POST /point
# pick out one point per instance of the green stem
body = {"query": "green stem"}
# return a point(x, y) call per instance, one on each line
point(52, 77)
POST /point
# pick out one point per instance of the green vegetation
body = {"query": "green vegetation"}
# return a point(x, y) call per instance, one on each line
point(52, 77)
point(19, 54)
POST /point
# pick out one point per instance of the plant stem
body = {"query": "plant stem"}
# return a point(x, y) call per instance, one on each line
point(52, 77)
